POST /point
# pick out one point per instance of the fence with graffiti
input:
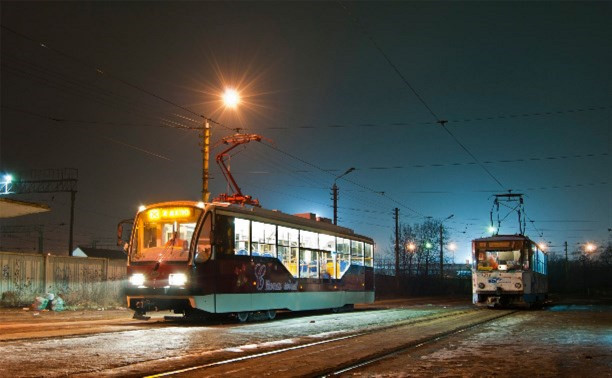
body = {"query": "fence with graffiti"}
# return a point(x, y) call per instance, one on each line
point(81, 281)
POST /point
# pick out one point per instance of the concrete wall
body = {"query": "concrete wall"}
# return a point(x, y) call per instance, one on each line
point(81, 280)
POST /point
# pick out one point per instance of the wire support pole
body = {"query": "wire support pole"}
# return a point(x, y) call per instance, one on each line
point(206, 161)
point(396, 216)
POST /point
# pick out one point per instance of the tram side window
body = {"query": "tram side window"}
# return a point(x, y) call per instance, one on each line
point(369, 256)
point(263, 239)
point(356, 252)
point(343, 256)
point(329, 266)
point(309, 263)
point(241, 236)
point(288, 239)
point(539, 261)
point(309, 239)
point(224, 236)
point(203, 246)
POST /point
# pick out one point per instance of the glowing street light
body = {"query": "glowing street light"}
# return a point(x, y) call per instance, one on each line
point(428, 245)
point(590, 247)
point(231, 98)
point(452, 246)
point(411, 247)
point(492, 229)
point(7, 179)
point(542, 246)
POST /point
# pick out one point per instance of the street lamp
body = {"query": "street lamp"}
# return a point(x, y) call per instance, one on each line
point(7, 180)
point(335, 193)
point(231, 99)
point(442, 246)
point(452, 247)
point(590, 247)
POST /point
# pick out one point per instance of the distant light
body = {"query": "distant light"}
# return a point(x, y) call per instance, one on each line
point(452, 246)
point(492, 229)
point(231, 98)
point(200, 204)
point(428, 245)
point(590, 247)
point(141, 208)
point(411, 246)
point(542, 246)
point(8, 179)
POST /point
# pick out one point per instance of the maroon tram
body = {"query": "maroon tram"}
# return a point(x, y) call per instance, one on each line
point(197, 258)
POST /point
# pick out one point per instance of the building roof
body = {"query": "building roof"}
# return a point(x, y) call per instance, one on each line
point(11, 208)
point(103, 253)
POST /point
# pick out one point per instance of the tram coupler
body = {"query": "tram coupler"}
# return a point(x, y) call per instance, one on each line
point(140, 312)
point(493, 301)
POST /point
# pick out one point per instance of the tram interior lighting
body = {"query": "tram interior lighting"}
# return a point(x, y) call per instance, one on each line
point(137, 279)
point(177, 279)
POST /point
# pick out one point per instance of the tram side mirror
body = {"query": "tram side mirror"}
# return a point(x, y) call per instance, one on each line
point(121, 240)
point(126, 246)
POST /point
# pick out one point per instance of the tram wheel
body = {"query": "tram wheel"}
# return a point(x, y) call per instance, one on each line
point(243, 317)
point(271, 314)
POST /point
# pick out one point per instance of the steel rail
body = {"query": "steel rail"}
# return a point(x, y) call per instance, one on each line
point(308, 345)
point(409, 346)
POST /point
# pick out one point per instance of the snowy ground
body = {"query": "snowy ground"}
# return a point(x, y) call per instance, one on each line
point(560, 340)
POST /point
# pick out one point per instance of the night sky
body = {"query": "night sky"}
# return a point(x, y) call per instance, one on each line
point(525, 87)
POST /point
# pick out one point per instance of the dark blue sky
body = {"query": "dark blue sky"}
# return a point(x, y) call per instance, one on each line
point(526, 88)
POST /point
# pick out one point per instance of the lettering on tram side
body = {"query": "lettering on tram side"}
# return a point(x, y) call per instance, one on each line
point(268, 285)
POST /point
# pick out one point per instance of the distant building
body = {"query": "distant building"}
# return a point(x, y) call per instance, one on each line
point(112, 254)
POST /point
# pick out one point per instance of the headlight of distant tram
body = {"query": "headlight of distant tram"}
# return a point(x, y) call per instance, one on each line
point(137, 279)
point(177, 279)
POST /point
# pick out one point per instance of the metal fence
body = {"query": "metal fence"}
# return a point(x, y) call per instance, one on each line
point(81, 281)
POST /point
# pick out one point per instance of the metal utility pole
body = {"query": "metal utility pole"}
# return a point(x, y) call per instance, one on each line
point(51, 181)
point(397, 248)
point(566, 260)
point(335, 193)
point(205, 160)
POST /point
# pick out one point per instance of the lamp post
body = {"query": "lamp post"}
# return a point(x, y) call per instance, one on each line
point(410, 248)
point(231, 99)
point(335, 193)
point(442, 247)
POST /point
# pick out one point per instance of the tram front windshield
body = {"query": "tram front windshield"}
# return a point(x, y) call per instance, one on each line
point(164, 234)
point(499, 260)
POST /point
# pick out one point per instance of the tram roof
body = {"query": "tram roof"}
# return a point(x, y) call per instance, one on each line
point(269, 214)
point(502, 238)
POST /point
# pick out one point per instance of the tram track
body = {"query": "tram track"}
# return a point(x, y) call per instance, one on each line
point(383, 342)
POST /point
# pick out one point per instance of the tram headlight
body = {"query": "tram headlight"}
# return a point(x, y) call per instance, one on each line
point(137, 279)
point(177, 279)
point(518, 285)
point(481, 285)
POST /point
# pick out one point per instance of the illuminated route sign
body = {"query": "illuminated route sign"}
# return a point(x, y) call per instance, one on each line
point(169, 213)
